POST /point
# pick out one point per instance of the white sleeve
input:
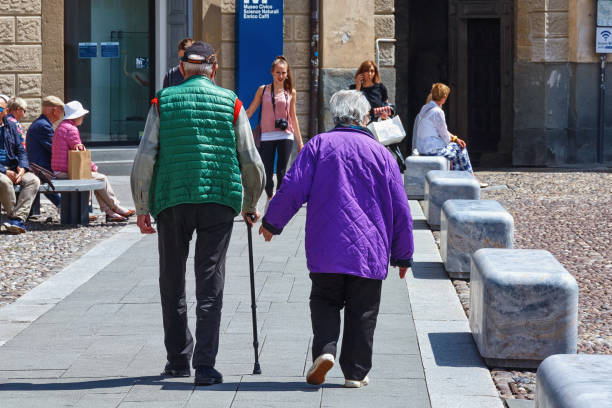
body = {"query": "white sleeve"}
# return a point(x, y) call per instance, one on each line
point(439, 121)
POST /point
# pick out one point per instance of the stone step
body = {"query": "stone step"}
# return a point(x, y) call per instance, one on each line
point(104, 154)
point(115, 167)
point(114, 161)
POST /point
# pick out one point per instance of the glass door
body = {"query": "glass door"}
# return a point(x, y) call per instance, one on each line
point(109, 48)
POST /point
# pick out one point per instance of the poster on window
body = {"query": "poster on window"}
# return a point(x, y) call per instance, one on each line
point(604, 13)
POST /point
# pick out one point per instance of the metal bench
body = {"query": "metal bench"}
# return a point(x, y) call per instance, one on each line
point(75, 198)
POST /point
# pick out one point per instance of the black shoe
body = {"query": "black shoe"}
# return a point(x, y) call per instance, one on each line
point(207, 375)
point(176, 371)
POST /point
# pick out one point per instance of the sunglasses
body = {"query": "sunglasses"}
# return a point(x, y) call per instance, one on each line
point(1, 109)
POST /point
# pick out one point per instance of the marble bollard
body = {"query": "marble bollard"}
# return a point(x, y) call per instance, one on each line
point(574, 381)
point(523, 307)
point(442, 185)
point(416, 168)
point(468, 225)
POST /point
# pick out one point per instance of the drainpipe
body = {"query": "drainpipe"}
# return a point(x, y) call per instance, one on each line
point(313, 123)
point(602, 109)
point(378, 41)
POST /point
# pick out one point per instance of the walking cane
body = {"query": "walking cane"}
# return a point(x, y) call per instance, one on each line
point(256, 367)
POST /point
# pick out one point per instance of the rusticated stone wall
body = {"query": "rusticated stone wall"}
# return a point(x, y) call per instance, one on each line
point(31, 51)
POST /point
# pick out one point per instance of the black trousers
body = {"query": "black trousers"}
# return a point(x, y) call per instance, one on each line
point(213, 225)
point(360, 298)
point(267, 151)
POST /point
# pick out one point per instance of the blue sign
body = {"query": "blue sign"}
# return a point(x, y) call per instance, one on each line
point(109, 49)
point(88, 50)
point(259, 40)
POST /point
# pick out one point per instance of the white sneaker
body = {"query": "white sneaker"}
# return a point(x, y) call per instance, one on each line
point(320, 367)
point(356, 383)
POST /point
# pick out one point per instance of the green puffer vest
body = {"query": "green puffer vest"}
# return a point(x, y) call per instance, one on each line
point(197, 160)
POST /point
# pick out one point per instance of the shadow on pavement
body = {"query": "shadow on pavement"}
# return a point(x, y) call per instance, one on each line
point(428, 270)
point(455, 349)
point(165, 383)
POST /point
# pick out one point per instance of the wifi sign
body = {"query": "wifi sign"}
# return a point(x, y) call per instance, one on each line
point(604, 40)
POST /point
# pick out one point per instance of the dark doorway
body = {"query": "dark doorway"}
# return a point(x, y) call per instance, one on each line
point(467, 44)
point(421, 55)
point(484, 80)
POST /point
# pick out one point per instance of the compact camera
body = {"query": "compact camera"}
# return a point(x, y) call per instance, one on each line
point(281, 124)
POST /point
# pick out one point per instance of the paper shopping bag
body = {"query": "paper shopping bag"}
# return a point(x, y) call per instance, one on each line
point(79, 164)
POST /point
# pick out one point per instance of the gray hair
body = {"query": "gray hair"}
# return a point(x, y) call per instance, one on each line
point(197, 69)
point(348, 107)
point(17, 103)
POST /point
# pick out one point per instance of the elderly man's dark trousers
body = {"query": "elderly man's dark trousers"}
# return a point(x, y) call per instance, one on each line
point(360, 298)
point(176, 225)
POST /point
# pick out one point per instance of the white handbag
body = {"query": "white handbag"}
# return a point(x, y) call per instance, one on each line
point(388, 131)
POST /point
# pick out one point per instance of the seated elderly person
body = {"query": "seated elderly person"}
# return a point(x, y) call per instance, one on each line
point(14, 170)
point(431, 136)
point(40, 137)
point(17, 108)
point(358, 219)
point(67, 137)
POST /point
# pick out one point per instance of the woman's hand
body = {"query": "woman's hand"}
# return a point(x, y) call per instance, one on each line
point(266, 234)
point(358, 81)
point(402, 272)
point(300, 146)
point(461, 143)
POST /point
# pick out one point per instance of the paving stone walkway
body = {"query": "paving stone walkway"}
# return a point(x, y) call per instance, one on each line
point(102, 346)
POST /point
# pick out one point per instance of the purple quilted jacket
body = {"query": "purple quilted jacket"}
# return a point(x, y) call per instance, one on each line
point(357, 217)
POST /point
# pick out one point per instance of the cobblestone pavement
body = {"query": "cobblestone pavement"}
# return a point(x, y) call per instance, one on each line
point(567, 212)
point(26, 260)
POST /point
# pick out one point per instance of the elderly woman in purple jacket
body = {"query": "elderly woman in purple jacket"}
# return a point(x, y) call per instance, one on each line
point(358, 220)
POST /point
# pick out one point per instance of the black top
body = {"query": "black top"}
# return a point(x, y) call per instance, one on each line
point(375, 94)
point(173, 77)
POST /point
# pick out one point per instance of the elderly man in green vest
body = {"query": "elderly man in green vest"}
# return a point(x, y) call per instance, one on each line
point(196, 169)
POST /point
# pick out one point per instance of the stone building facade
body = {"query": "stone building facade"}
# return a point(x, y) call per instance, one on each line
point(524, 73)
point(31, 55)
point(348, 29)
point(556, 74)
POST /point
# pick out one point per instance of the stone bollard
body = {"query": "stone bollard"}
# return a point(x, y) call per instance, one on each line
point(523, 307)
point(441, 185)
point(468, 225)
point(416, 168)
point(574, 381)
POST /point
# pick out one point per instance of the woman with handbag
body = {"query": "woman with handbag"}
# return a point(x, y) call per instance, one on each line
point(278, 122)
point(367, 80)
point(66, 138)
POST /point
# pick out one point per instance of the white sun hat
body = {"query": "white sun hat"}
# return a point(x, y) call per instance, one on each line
point(74, 110)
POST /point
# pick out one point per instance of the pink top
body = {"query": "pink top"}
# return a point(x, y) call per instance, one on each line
point(283, 105)
point(66, 136)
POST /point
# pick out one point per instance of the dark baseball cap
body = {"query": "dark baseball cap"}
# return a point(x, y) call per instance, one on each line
point(200, 53)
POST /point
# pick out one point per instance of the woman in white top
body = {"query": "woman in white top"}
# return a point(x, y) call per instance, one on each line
point(431, 136)
point(279, 123)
